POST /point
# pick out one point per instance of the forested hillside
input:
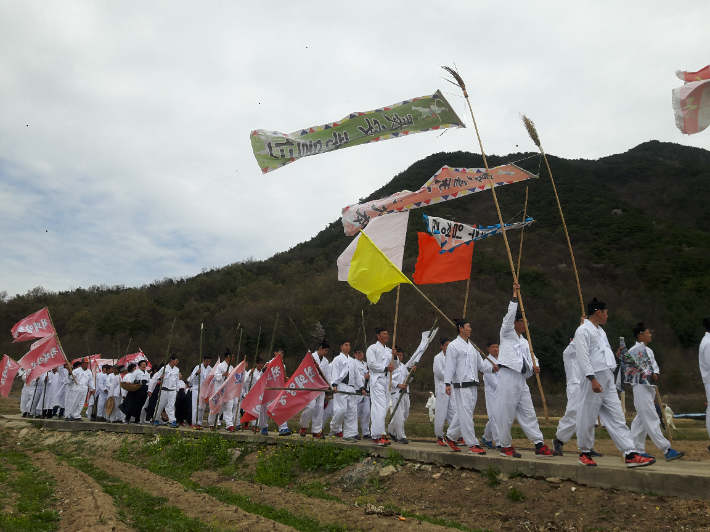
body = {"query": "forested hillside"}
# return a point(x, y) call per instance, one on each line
point(639, 222)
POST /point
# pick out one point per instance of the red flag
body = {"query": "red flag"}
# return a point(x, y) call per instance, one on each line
point(434, 267)
point(8, 370)
point(287, 404)
point(38, 325)
point(691, 104)
point(273, 376)
point(41, 359)
point(207, 386)
point(703, 73)
point(135, 358)
point(231, 388)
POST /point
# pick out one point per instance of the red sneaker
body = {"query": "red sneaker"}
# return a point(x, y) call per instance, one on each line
point(639, 461)
point(230, 429)
point(452, 444)
point(303, 431)
point(440, 441)
point(197, 427)
point(338, 434)
point(586, 460)
point(380, 442)
point(510, 452)
point(460, 441)
point(545, 451)
point(319, 435)
point(476, 449)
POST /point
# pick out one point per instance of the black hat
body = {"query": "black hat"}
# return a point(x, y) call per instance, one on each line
point(595, 305)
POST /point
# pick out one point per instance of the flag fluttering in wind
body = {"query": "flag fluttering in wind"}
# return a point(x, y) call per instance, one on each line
point(38, 325)
point(231, 388)
point(207, 387)
point(450, 234)
point(272, 377)
point(703, 73)
point(274, 149)
point(8, 370)
point(691, 102)
point(287, 403)
point(447, 184)
point(46, 356)
point(387, 232)
point(371, 272)
point(434, 267)
point(135, 358)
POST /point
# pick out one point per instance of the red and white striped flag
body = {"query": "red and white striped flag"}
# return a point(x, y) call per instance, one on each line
point(287, 404)
point(38, 325)
point(231, 388)
point(8, 370)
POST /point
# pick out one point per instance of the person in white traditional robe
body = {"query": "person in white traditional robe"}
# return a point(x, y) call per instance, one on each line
point(596, 363)
point(346, 377)
point(431, 406)
point(102, 392)
point(446, 404)
point(195, 381)
point(363, 403)
point(251, 377)
point(80, 378)
point(54, 385)
point(63, 381)
point(227, 409)
point(25, 395)
point(314, 412)
point(647, 422)
point(114, 391)
point(513, 399)
point(38, 409)
point(170, 375)
point(704, 363)
point(490, 385)
point(380, 361)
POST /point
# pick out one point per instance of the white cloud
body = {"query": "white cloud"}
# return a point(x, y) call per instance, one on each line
point(124, 149)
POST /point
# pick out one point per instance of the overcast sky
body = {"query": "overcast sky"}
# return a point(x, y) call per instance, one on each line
point(124, 126)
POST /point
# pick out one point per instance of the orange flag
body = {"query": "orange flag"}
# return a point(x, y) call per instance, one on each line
point(434, 267)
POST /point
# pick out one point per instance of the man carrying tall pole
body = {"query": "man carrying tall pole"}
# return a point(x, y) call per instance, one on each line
point(195, 380)
point(379, 362)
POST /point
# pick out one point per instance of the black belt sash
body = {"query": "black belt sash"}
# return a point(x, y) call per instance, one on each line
point(465, 384)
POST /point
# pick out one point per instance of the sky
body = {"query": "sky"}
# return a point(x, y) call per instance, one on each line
point(124, 126)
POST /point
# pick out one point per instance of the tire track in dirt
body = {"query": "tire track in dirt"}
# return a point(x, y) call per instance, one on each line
point(196, 505)
point(83, 504)
point(330, 512)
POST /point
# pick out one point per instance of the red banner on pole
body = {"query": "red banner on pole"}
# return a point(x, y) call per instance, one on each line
point(135, 358)
point(207, 386)
point(231, 388)
point(273, 376)
point(287, 403)
point(38, 325)
point(8, 370)
point(41, 359)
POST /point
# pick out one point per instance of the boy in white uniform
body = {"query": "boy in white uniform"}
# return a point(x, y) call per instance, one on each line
point(168, 391)
point(195, 380)
point(227, 409)
point(704, 362)
point(490, 381)
point(363, 403)
point(446, 404)
point(77, 389)
point(431, 406)
point(314, 412)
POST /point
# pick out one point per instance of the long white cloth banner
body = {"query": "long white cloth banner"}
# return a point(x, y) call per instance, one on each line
point(450, 234)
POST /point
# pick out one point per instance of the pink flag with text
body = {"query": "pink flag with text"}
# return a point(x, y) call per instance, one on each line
point(41, 359)
point(207, 386)
point(231, 388)
point(289, 403)
point(8, 370)
point(273, 376)
point(38, 325)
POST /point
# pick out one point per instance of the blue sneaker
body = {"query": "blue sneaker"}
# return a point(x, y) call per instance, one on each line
point(173, 425)
point(672, 454)
point(487, 443)
point(265, 432)
point(156, 423)
point(285, 432)
point(645, 455)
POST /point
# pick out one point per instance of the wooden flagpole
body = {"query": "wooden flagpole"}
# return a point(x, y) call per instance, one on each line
point(522, 232)
point(663, 413)
point(299, 334)
point(200, 365)
point(530, 127)
point(56, 337)
point(460, 83)
point(394, 333)
point(239, 400)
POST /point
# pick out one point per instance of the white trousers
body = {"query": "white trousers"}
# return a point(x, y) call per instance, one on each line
point(263, 417)
point(341, 404)
point(37, 403)
point(197, 417)
point(462, 425)
point(75, 401)
point(26, 398)
point(313, 413)
point(607, 406)
point(379, 402)
point(116, 413)
point(396, 426)
point(445, 411)
point(513, 401)
point(646, 421)
point(167, 403)
point(707, 410)
point(363, 414)
point(490, 433)
point(101, 405)
point(227, 412)
point(567, 426)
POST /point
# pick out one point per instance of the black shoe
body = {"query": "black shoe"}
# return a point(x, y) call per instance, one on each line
point(393, 438)
point(558, 446)
point(25, 415)
point(593, 453)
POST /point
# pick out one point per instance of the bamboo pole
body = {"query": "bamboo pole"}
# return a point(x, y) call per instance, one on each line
point(460, 83)
point(256, 355)
point(522, 233)
point(44, 394)
point(273, 336)
point(663, 413)
point(128, 346)
point(239, 400)
point(299, 333)
point(364, 331)
point(532, 131)
point(329, 390)
point(394, 333)
point(165, 363)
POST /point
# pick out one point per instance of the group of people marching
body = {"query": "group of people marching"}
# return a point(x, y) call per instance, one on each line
point(366, 386)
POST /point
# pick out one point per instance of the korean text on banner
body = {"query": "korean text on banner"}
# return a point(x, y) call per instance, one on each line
point(38, 325)
point(41, 359)
point(231, 388)
point(287, 403)
point(450, 234)
point(447, 184)
point(274, 149)
point(8, 370)
point(273, 376)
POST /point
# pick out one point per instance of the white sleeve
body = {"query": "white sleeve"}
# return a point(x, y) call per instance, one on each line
point(581, 347)
point(372, 363)
point(439, 367)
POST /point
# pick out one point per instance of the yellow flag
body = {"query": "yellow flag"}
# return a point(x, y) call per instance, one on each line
point(371, 272)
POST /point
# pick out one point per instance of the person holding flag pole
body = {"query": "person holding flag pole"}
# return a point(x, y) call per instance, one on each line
point(165, 363)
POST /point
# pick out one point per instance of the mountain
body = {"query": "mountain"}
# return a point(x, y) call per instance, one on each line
point(639, 224)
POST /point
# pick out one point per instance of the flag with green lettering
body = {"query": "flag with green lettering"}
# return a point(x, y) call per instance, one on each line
point(273, 149)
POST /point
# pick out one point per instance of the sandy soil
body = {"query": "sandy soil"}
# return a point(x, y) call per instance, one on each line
point(324, 511)
point(196, 505)
point(83, 506)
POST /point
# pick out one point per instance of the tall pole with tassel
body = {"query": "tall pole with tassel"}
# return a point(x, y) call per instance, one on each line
point(460, 83)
